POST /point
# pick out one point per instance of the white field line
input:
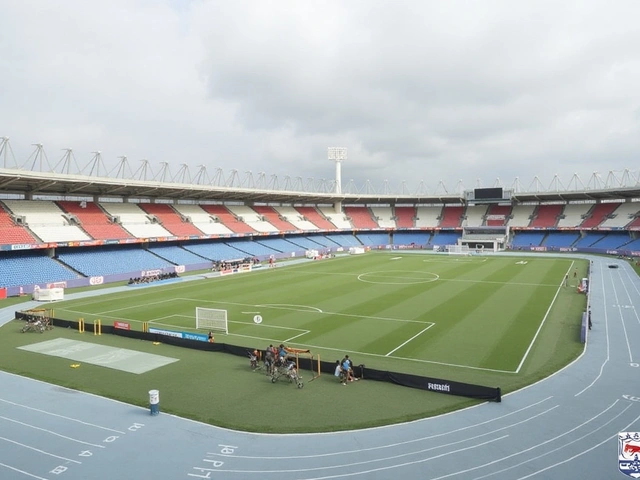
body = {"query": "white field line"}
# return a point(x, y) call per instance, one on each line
point(404, 343)
point(296, 336)
point(544, 319)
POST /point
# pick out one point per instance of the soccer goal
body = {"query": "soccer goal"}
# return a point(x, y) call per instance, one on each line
point(458, 250)
point(212, 319)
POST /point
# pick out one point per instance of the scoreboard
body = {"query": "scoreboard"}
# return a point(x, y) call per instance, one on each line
point(488, 195)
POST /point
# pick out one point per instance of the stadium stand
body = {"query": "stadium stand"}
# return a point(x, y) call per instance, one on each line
point(228, 219)
point(338, 220)
point(297, 219)
point(598, 214)
point(110, 260)
point(250, 247)
point(135, 220)
point(47, 221)
point(361, 217)
point(546, 216)
point(304, 243)
point(588, 239)
point(176, 254)
point(521, 215)
point(311, 215)
point(170, 219)
point(321, 240)
point(527, 239)
point(94, 220)
point(216, 251)
point(451, 217)
point(498, 215)
point(202, 220)
point(344, 240)
point(384, 217)
point(574, 214)
point(442, 239)
point(474, 215)
point(29, 268)
point(275, 218)
point(621, 216)
point(374, 239)
point(428, 217)
point(411, 238)
point(13, 234)
point(277, 245)
point(613, 241)
point(560, 239)
point(405, 217)
point(249, 216)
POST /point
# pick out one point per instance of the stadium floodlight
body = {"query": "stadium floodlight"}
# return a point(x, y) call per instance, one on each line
point(337, 154)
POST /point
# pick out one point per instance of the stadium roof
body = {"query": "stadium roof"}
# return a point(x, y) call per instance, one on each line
point(30, 183)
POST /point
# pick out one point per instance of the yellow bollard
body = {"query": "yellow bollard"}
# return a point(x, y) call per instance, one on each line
point(81, 325)
point(97, 327)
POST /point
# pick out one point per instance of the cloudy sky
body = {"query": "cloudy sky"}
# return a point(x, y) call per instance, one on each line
point(417, 91)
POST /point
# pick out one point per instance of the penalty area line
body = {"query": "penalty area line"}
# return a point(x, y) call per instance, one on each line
point(404, 343)
point(296, 336)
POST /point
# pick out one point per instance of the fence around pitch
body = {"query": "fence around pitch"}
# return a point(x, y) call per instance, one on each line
point(408, 380)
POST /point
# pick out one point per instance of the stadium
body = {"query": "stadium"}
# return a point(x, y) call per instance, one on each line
point(481, 300)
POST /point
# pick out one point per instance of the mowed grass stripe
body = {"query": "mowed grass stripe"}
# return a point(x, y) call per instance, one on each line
point(369, 303)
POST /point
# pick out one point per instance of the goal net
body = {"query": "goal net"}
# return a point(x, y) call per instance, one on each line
point(458, 250)
point(212, 319)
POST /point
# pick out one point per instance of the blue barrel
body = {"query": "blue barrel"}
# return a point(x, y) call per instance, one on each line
point(154, 402)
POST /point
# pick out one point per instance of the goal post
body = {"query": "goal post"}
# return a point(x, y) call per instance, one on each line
point(458, 249)
point(213, 319)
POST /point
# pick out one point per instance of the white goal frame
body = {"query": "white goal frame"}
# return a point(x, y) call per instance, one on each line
point(458, 249)
point(213, 319)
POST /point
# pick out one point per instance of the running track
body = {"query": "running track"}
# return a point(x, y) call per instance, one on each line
point(564, 427)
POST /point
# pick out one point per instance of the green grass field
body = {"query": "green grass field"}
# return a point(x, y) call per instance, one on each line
point(491, 320)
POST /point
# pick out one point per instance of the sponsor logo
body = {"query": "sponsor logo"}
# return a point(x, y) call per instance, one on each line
point(23, 246)
point(150, 273)
point(440, 387)
point(629, 453)
point(96, 280)
point(121, 325)
point(612, 252)
point(180, 269)
point(195, 336)
point(168, 333)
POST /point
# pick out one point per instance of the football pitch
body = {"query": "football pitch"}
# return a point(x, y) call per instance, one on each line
point(468, 313)
point(496, 320)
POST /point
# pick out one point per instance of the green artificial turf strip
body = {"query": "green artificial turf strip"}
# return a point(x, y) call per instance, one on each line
point(485, 315)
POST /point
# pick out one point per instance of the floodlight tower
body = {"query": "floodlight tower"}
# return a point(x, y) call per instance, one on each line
point(337, 154)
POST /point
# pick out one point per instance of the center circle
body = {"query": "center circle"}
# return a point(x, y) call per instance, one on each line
point(398, 277)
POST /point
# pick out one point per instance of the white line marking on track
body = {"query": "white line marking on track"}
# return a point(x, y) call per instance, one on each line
point(62, 416)
point(581, 453)
point(39, 451)
point(21, 471)
point(564, 445)
point(412, 441)
point(388, 467)
point(52, 433)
